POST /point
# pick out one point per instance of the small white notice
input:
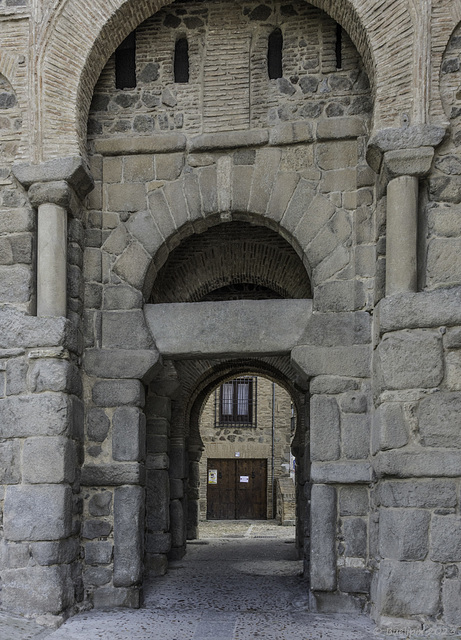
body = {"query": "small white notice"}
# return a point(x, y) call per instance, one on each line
point(212, 476)
point(244, 478)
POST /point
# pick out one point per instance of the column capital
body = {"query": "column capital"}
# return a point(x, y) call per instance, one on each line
point(414, 142)
point(71, 170)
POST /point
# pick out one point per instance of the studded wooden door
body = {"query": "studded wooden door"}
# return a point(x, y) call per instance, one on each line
point(237, 489)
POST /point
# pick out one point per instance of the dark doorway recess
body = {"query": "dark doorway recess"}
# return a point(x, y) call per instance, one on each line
point(237, 489)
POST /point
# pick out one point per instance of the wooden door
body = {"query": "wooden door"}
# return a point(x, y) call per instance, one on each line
point(251, 489)
point(237, 489)
point(221, 489)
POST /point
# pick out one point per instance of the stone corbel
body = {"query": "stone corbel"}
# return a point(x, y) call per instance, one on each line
point(54, 188)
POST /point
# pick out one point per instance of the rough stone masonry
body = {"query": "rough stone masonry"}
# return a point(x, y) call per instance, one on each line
point(195, 191)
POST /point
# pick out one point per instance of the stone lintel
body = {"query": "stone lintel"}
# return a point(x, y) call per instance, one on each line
point(71, 169)
point(419, 310)
point(112, 475)
point(160, 143)
point(227, 328)
point(393, 139)
point(291, 133)
point(229, 140)
point(341, 128)
point(142, 364)
point(342, 472)
point(423, 463)
point(408, 162)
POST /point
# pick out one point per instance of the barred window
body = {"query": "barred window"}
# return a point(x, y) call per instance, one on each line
point(235, 403)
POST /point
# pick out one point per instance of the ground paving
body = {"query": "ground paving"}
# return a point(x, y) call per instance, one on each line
point(239, 581)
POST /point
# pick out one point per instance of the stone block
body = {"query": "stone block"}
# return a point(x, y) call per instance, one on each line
point(136, 168)
point(438, 419)
point(125, 197)
point(443, 220)
point(36, 590)
point(16, 373)
point(158, 542)
point(169, 166)
point(177, 457)
point(208, 189)
point(425, 464)
point(408, 588)
point(409, 162)
point(337, 154)
point(341, 128)
point(338, 180)
point(229, 140)
point(128, 535)
point(19, 330)
point(407, 137)
point(342, 472)
point(98, 425)
point(96, 529)
point(37, 512)
point(323, 538)
point(100, 504)
point(10, 462)
point(291, 133)
point(337, 329)
point(390, 428)
point(99, 552)
point(122, 363)
point(427, 494)
point(111, 475)
point(177, 524)
point(92, 264)
point(404, 533)
point(125, 330)
point(451, 597)
point(128, 434)
point(353, 361)
point(339, 295)
point(16, 283)
point(176, 488)
point(353, 501)
point(56, 552)
point(15, 555)
point(143, 227)
point(354, 580)
point(161, 213)
point(109, 597)
point(332, 384)
point(158, 143)
point(17, 220)
point(118, 297)
point(332, 264)
point(54, 375)
point(446, 538)
point(355, 436)
point(158, 500)
point(411, 359)
point(156, 564)
point(445, 189)
point(265, 170)
point(96, 576)
point(337, 603)
point(133, 264)
point(111, 393)
point(453, 370)
point(119, 239)
point(355, 537)
point(285, 184)
point(444, 261)
point(325, 428)
point(29, 415)
point(49, 460)
point(353, 403)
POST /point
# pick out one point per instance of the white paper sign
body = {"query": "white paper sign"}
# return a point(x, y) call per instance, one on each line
point(244, 478)
point(212, 476)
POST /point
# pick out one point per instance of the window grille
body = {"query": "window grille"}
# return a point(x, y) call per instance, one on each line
point(125, 63)
point(236, 403)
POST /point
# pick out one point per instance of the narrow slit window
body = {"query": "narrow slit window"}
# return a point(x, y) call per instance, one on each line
point(274, 54)
point(125, 63)
point(339, 47)
point(181, 61)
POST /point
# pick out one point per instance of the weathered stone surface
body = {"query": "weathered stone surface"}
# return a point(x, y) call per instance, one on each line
point(446, 538)
point(355, 435)
point(340, 128)
point(443, 261)
point(49, 460)
point(404, 533)
point(119, 297)
point(420, 464)
point(16, 283)
point(354, 403)
point(353, 501)
point(391, 430)
point(143, 227)
point(352, 580)
point(159, 143)
point(158, 542)
point(438, 419)
point(332, 384)
point(323, 534)
point(337, 155)
point(409, 162)
point(128, 535)
point(341, 472)
point(291, 133)
point(110, 393)
point(325, 428)
point(16, 371)
point(100, 504)
point(229, 140)
point(72, 169)
point(351, 361)
point(54, 375)
point(57, 552)
point(411, 137)
point(177, 524)
point(339, 295)
point(337, 329)
point(133, 264)
point(125, 330)
point(37, 512)
point(451, 597)
point(96, 529)
point(157, 500)
point(99, 552)
point(213, 328)
point(122, 363)
point(10, 462)
point(355, 537)
point(128, 434)
point(45, 414)
point(112, 474)
point(37, 589)
point(428, 494)
point(408, 588)
point(411, 359)
point(98, 425)
point(19, 330)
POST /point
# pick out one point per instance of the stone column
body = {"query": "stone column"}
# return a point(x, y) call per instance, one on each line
point(51, 260)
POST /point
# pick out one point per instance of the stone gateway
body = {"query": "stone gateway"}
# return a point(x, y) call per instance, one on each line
point(201, 191)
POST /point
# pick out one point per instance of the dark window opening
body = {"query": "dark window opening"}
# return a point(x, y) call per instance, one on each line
point(237, 403)
point(339, 47)
point(274, 55)
point(181, 61)
point(125, 63)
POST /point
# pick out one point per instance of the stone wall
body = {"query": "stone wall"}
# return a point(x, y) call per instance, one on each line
point(250, 442)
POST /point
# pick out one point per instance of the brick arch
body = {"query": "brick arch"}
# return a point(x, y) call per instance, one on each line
point(66, 96)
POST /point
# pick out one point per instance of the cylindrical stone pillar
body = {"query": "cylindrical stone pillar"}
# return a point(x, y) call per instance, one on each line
point(51, 260)
point(401, 235)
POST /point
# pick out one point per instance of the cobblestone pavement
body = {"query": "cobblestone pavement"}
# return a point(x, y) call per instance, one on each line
point(239, 581)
